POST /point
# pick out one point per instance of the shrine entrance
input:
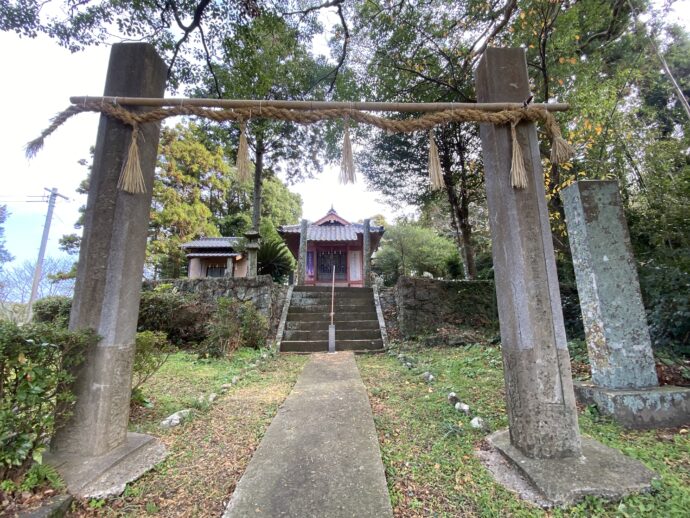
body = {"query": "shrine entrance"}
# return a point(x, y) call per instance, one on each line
point(326, 258)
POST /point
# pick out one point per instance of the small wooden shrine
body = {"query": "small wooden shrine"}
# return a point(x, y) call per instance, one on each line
point(332, 241)
point(215, 257)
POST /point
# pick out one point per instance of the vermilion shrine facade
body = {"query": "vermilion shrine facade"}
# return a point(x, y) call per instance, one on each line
point(332, 241)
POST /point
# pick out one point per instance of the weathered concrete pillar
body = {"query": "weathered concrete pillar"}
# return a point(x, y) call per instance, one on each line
point(302, 259)
point(194, 268)
point(252, 247)
point(539, 389)
point(543, 441)
point(109, 277)
point(366, 238)
point(620, 350)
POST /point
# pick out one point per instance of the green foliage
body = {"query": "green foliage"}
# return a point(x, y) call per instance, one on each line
point(152, 351)
point(34, 372)
point(234, 324)
point(275, 259)
point(41, 475)
point(407, 248)
point(180, 317)
point(4, 254)
point(191, 181)
point(53, 310)
point(666, 293)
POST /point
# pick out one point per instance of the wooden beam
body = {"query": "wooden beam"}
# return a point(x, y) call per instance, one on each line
point(313, 105)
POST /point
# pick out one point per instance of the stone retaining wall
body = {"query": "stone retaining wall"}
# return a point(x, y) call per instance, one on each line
point(424, 305)
point(266, 295)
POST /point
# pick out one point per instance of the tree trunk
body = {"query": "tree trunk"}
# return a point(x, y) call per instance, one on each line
point(460, 213)
point(258, 173)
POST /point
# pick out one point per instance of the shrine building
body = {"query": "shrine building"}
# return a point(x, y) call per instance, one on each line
point(215, 257)
point(333, 241)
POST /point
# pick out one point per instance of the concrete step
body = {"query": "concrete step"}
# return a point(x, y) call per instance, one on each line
point(339, 308)
point(313, 346)
point(340, 334)
point(326, 303)
point(318, 326)
point(327, 289)
point(326, 317)
point(326, 295)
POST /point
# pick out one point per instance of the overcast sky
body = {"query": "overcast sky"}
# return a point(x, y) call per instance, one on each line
point(38, 79)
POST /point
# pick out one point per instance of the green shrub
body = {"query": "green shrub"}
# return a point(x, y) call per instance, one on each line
point(53, 310)
point(666, 294)
point(41, 475)
point(152, 350)
point(181, 317)
point(232, 325)
point(274, 259)
point(34, 364)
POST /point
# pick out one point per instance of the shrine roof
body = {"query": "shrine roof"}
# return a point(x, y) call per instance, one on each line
point(331, 227)
point(214, 242)
point(213, 254)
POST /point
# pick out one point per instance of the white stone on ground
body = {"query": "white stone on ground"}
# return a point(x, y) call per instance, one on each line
point(453, 398)
point(478, 423)
point(463, 407)
point(176, 418)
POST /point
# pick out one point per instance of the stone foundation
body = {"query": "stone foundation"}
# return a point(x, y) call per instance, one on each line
point(424, 304)
point(267, 296)
point(599, 471)
point(653, 407)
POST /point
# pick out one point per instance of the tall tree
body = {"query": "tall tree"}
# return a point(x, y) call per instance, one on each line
point(5, 256)
point(197, 193)
point(268, 60)
point(191, 180)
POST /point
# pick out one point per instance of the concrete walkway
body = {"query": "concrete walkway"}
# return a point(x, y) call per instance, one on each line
point(320, 456)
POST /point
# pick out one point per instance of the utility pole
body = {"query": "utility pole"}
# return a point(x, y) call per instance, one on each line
point(42, 251)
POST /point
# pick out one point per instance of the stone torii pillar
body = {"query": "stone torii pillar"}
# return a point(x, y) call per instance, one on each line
point(624, 381)
point(302, 254)
point(106, 295)
point(366, 252)
point(543, 439)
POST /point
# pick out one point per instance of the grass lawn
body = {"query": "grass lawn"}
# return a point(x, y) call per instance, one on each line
point(428, 447)
point(209, 452)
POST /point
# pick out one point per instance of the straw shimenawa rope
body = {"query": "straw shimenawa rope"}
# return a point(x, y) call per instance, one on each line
point(561, 151)
point(435, 175)
point(347, 163)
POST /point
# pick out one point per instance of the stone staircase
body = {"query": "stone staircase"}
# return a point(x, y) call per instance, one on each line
point(356, 322)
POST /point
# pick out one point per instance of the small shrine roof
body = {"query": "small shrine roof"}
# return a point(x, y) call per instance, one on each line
point(213, 254)
point(214, 242)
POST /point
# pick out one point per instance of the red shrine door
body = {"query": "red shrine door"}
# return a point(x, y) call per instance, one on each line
point(326, 258)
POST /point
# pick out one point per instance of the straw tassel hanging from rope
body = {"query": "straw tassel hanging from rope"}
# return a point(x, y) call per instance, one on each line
point(131, 178)
point(243, 154)
point(435, 175)
point(347, 163)
point(518, 173)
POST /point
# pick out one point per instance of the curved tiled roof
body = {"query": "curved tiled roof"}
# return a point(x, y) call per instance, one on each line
point(330, 232)
point(331, 227)
point(214, 242)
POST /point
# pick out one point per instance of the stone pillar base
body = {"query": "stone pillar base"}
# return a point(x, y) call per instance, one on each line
point(107, 475)
point(600, 471)
point(653, 407)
